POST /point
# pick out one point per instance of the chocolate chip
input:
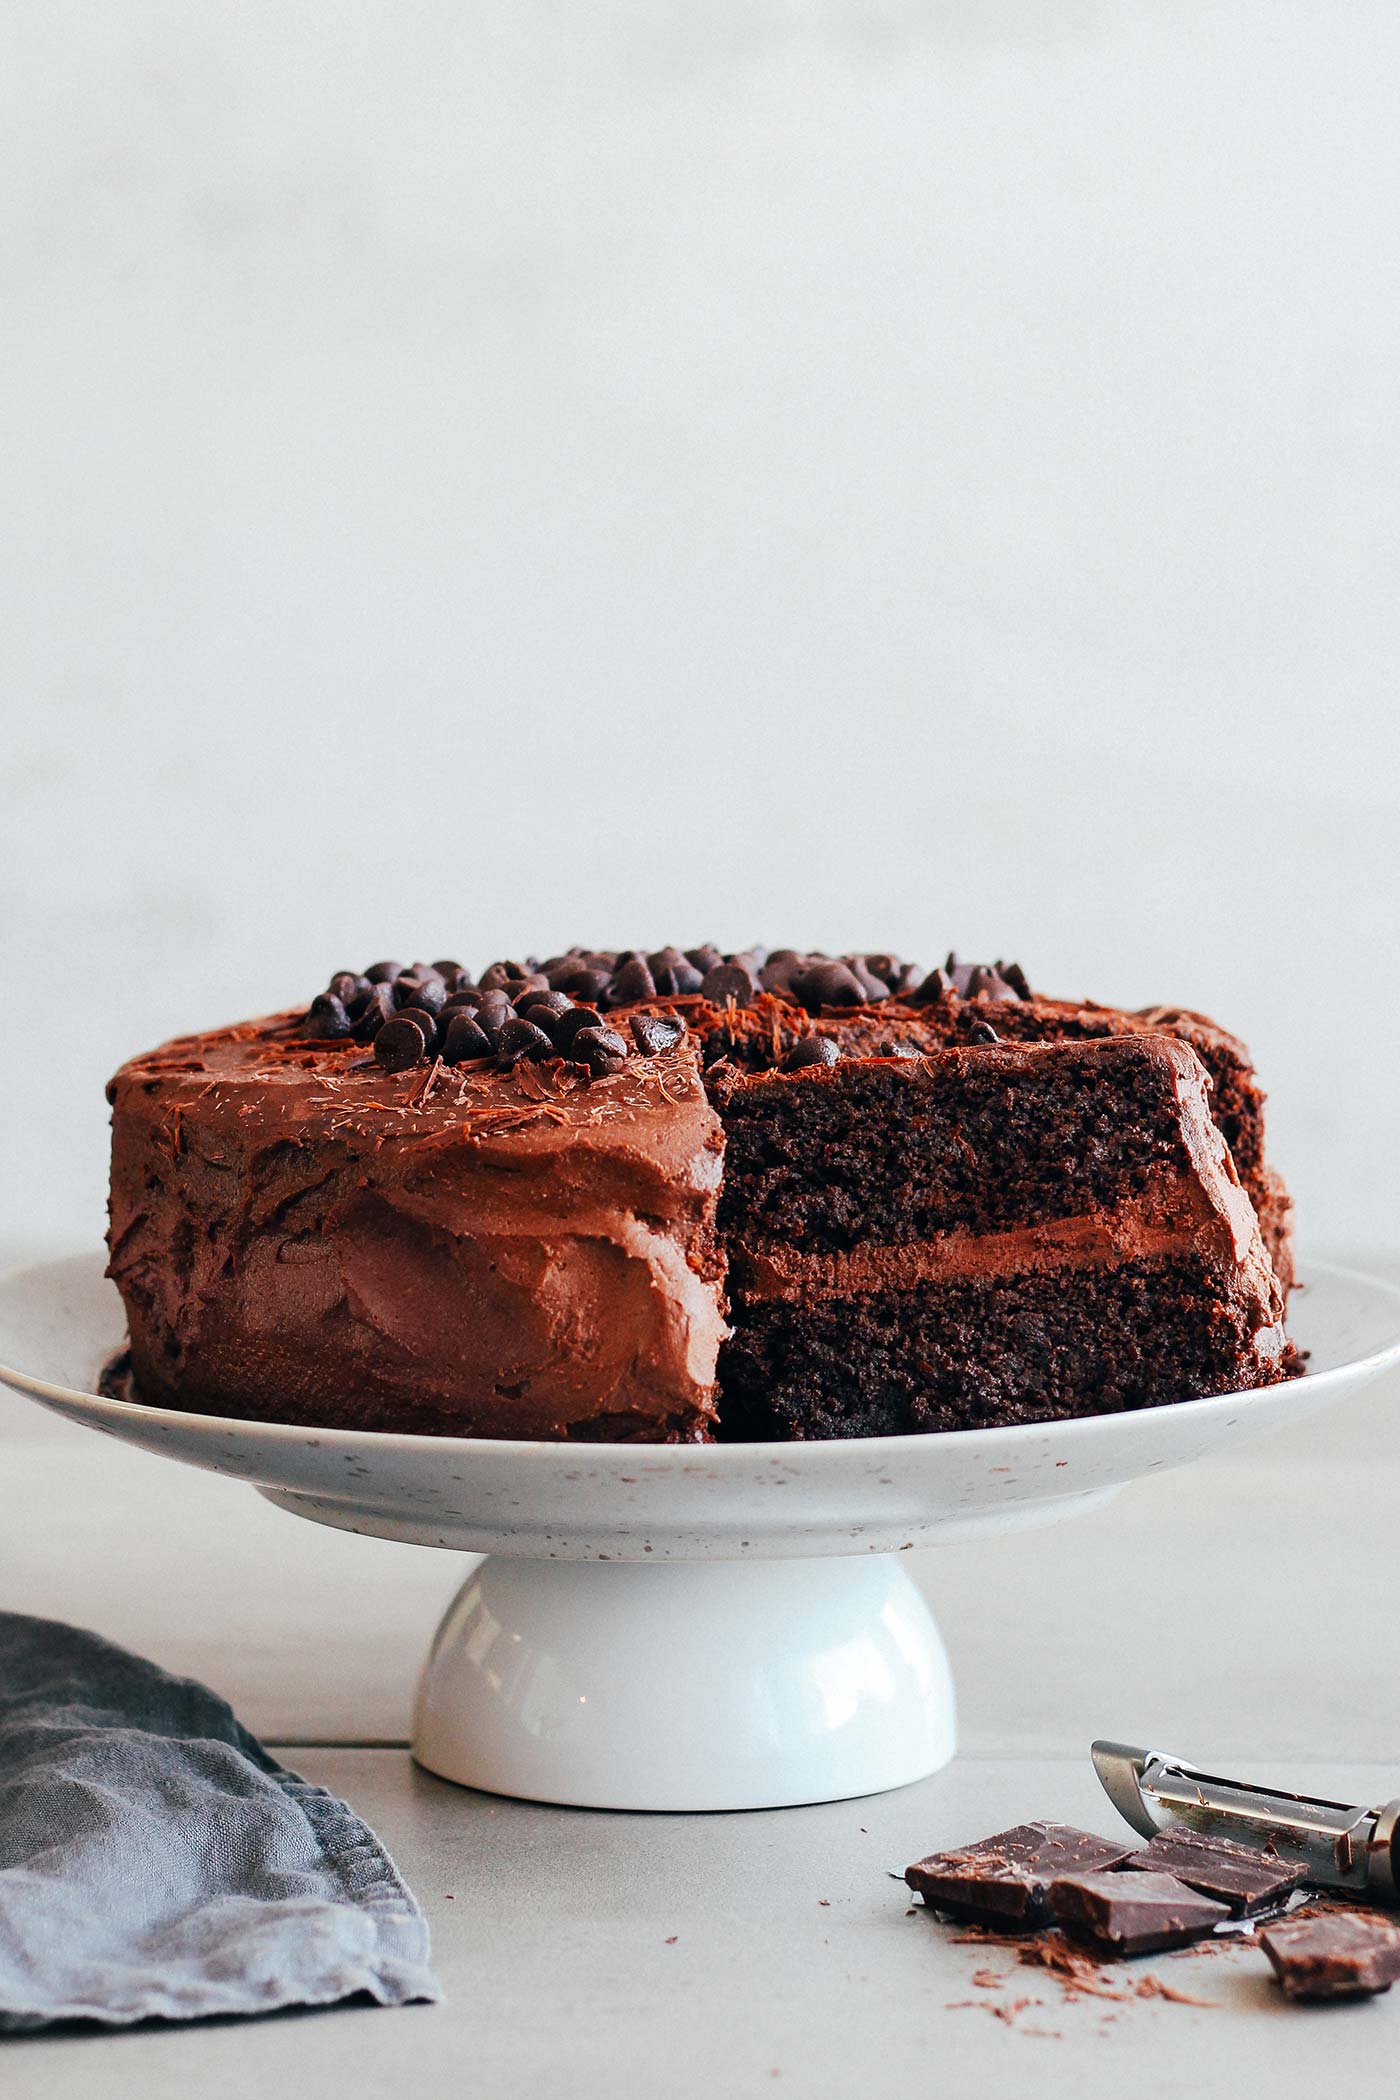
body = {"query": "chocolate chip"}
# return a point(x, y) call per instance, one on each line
point(633, 981)
point(782, 970)
point(674, 973)
point(585, 983)
point(937, 985)
point(448, 970)
point(601, 1049)
point(811, 1050)
point(521, 1039)
point(726, 982)
point(897, 1049)
point(985, 983)
point(429, 996)
point(905, 980)
point(464, 1039)
point(885, 967)
point(327, 1021)
point(376, 1010)
point(873, 986)
point(654, 1033)
point(982, 1032)
point(502, 975)
point(346, 985)
point(1015, 976)
point(383, 972)
point(562, 972)
point(567, 1025)
point(460, 1003)
point(491, 1020)
point(704, 958)
point(536, 1005)
point(402, 1041)
point(829, 984)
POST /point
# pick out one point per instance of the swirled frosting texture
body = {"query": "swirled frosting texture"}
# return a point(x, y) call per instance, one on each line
point(298, 1234)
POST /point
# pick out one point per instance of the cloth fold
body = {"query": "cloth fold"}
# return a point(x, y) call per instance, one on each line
point(155, 1862)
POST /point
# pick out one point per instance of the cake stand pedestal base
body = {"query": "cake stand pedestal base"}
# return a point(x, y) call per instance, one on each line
point(686, 1685)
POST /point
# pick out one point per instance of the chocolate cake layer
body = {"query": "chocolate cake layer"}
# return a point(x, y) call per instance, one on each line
point(988, 1352)
point(1006, 1234)
point(969, 1140)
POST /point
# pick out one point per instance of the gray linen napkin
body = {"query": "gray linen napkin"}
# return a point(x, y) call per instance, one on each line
point(155, 1862)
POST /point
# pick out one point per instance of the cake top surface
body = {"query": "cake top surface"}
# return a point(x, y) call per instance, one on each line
point(592, 1014)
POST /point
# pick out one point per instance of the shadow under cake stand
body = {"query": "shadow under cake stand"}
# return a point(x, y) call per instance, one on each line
point(684, 1627)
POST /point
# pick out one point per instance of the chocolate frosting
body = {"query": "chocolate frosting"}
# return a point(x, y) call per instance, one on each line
point(297, 1232)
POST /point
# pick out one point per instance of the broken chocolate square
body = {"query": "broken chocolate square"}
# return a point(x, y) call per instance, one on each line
point(1004, 1880)
point(1337, 1955)
point(1245, 1880)
point(1133, 1913)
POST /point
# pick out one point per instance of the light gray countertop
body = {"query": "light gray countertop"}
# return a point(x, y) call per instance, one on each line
point(1242, 1612)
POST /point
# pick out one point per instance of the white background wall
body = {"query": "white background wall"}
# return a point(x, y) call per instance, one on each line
point(483, 476)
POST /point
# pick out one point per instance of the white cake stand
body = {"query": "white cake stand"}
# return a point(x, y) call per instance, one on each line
point(683, 1627)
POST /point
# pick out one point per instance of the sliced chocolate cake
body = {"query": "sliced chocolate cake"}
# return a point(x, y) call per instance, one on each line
point(674, 1196)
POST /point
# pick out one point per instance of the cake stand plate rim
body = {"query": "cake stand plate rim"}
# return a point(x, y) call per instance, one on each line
point(111, 1412)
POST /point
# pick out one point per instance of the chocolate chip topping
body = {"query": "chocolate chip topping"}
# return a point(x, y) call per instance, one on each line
point(729, 981)
point(521, 1039)
point(327, 1019)
point(402, 1042)
point(566, 996)
point(464, 1040)
point(995, 981)
point(601, 1049)
point(653, 1033)
point(828, 983)
point(812, 1050)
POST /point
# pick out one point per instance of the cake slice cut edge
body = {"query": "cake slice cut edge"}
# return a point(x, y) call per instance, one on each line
point(989, 1236)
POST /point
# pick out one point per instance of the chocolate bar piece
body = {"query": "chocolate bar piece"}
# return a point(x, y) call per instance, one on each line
point(1247, 1881)
point(1131, 1913)
point(1004, 1880)
point(1337, 1955)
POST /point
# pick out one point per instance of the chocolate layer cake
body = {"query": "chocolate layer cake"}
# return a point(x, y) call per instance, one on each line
point(677, 1196)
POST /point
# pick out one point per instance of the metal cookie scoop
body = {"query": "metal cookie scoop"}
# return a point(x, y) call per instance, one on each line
point(1340, 1847)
